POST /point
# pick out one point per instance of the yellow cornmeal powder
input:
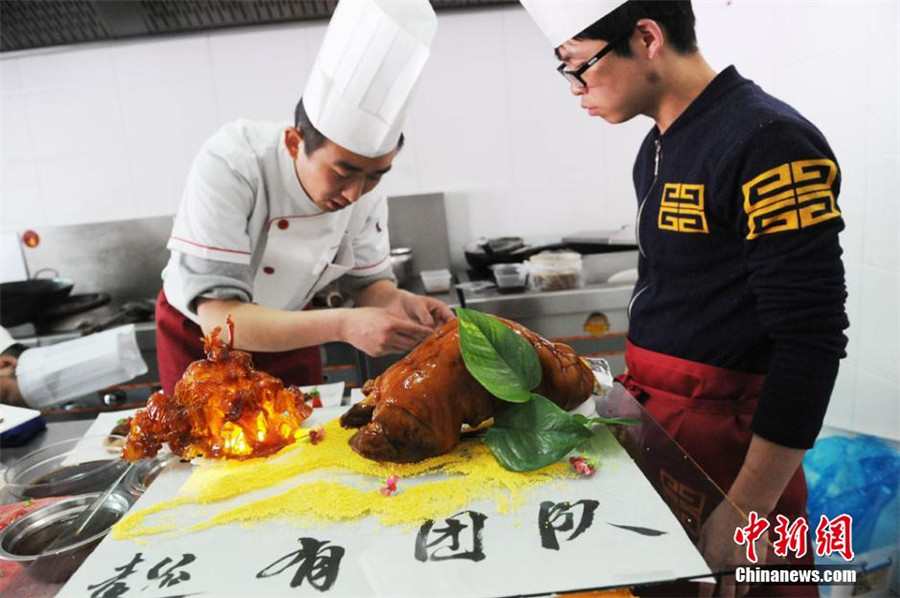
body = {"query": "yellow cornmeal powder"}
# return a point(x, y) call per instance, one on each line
point(472, 474)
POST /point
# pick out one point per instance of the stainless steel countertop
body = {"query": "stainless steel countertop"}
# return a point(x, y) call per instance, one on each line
point(529, 304)
point(55, 432)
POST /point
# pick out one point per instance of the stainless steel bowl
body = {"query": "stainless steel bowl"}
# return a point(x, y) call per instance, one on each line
point(402, 264)
point(74, 466)
point(145, 471)
point(25, 540)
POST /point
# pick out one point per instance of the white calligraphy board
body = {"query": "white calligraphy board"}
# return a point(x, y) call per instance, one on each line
point(510, 556)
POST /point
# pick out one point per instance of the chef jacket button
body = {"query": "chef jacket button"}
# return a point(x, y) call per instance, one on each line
point(283, 224)
point(269, 270)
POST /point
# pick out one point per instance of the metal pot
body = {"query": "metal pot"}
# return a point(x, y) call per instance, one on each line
point(402, 264)
point(23, 300)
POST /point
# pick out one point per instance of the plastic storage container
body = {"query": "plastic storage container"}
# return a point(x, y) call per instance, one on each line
point(436, 281)
point(556, 271)
point(510, 277)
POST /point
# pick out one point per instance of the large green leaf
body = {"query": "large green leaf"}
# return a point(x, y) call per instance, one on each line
point(503, 362)
point(535, 434)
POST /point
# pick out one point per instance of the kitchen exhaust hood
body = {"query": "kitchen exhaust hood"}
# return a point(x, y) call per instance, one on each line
point(27, 24)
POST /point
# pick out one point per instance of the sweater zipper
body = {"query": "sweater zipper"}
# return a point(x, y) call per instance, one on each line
point(633, 299)
point(637, 227)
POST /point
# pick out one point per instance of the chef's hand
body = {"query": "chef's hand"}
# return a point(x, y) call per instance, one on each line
point(377, 331)
point(427, 311)
point(721, 551)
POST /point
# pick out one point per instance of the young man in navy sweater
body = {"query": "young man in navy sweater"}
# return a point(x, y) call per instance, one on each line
point(737, 319)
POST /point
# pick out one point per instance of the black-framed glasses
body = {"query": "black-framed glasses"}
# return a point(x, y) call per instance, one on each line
point(574, 76)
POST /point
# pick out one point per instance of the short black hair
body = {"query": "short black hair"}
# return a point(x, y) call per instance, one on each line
point(313, 138)
point(676, 17)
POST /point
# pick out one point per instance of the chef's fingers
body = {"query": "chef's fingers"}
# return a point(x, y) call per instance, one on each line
point(411, 329)
point(442, 313)
point(400, 345)
point(421, 312)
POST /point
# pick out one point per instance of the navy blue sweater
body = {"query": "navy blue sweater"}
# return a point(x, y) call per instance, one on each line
point(740, 263)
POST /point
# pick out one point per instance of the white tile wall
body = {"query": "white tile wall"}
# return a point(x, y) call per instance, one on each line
point(12, 269)
point(878, 343)
point(883, 118)
point(880, 245)
point(105, 132)
point(260, 74)
point(876, 410)
point(168, 109)
point(730, 33)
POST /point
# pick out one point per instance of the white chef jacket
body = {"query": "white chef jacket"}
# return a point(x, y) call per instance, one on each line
point(6, 340)
point(244, 210)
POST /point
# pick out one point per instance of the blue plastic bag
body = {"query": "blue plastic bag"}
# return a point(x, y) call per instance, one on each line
point(858, 476)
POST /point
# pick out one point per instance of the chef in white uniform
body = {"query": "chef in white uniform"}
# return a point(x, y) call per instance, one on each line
point(272, 213)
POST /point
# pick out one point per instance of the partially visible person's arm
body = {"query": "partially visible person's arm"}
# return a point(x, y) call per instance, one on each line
point(767, 469)
point(375, 331)
point(371, 281)
point(793, 257)
point(258, 328)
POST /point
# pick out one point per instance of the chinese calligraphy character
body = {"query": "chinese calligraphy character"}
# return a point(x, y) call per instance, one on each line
point(835, 535)
point(557, 517)
point(791, 537)
point(447, 542)
point(316, 563)
point(115, 586)
point(750, 534)
point(168, 578)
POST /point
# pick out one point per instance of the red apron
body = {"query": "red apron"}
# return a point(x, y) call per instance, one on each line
point(708, 411)
point(178, 344)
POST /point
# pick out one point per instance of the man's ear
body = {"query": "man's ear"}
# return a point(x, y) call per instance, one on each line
point(651, 36)
point(293, 140)
point(8, 362)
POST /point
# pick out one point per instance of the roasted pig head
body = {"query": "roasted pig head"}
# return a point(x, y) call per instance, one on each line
point(417, 407)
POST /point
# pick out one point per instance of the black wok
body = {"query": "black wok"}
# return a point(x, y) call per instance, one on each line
point(482, 254)
point(23, 300)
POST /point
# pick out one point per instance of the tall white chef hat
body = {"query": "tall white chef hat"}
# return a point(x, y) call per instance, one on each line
point(561, 20)
point(367, 67)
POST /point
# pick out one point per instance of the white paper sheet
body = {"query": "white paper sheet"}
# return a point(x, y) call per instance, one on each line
point(330, 394)
point(265, 559)
point(13, 417)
